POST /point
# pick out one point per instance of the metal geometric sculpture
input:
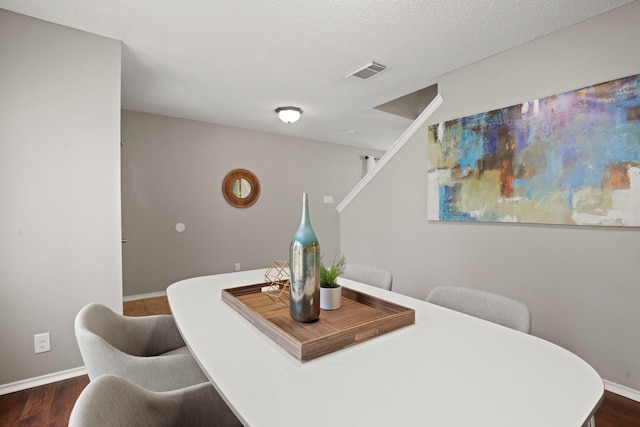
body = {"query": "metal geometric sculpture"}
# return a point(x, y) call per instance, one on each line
point(277, 278)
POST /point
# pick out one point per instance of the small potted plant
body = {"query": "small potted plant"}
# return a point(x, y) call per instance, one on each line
point(330, 290)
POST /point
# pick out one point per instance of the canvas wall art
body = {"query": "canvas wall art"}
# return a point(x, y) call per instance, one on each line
point(572, 158)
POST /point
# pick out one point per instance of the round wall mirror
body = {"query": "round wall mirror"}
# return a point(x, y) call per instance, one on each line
point(241, 188)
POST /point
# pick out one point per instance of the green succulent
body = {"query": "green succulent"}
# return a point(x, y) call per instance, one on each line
point(329, 276)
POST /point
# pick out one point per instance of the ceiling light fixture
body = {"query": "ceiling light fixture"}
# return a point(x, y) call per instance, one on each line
point(289, 114)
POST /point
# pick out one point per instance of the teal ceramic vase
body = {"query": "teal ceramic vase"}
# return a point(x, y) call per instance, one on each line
point(304, 263)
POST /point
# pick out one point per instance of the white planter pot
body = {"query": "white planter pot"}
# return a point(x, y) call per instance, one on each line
point(330, 298)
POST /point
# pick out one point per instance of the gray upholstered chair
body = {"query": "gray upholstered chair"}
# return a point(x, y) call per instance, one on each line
point(485, 305)
point(110, 400)
point(147, 351)
point(369, 275)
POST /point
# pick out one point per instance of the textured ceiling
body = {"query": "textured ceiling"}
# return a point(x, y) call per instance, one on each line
point(232, 62)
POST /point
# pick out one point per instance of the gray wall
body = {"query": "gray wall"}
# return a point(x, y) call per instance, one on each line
point(172, 172)
point(59, 188)
point(582, 284)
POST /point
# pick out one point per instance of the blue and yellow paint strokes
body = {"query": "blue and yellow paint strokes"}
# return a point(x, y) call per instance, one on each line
point(572, 158)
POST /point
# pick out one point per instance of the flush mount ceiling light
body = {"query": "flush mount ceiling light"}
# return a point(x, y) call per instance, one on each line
point(289, 114)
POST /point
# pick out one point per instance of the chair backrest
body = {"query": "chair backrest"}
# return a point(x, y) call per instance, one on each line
point(110, 400)
point(369, 275)
point(148, 351)
point(137, 336)
point(484, 305)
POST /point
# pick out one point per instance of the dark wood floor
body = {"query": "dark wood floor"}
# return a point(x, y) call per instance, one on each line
point(618, 411)
point(50, 405)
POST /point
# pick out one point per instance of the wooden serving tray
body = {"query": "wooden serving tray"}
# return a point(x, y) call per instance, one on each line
point(360, 318)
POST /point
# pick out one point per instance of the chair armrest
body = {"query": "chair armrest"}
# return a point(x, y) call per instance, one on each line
point(163, 373)
point(158, 373)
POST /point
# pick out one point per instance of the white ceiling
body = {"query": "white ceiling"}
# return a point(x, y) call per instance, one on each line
point(232, 62)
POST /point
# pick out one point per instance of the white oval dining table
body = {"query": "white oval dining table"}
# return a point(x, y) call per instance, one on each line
point(448, 369)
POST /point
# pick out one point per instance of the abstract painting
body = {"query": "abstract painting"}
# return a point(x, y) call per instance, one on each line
point(571, 158)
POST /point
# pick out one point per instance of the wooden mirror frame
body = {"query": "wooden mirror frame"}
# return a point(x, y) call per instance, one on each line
point(227, 188)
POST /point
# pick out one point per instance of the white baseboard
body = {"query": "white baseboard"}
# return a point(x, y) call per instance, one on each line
point(143, 296)
point(42, 380)
point(622, 390)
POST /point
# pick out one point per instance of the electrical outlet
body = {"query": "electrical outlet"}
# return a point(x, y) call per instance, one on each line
point(42, 342)
point(237, 266)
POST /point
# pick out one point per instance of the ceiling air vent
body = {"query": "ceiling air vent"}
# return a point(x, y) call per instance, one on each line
point(366, 71)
